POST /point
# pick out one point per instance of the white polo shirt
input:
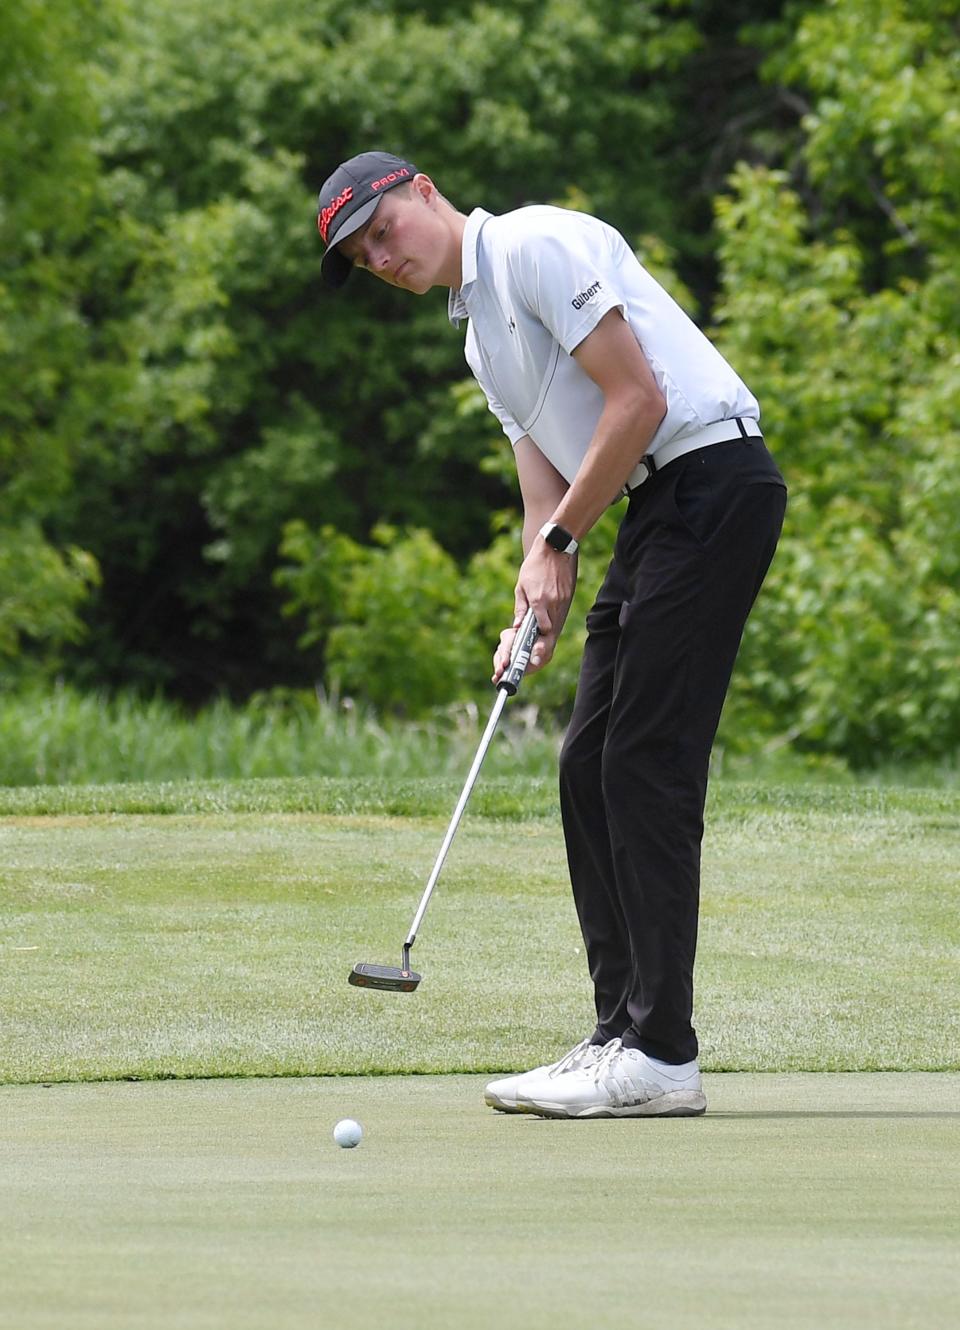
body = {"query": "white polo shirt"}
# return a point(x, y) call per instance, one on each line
point(535, 283)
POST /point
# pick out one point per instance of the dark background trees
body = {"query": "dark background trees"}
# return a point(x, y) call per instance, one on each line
point(185, 408)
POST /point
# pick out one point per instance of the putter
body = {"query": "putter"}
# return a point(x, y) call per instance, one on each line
point(401, 979)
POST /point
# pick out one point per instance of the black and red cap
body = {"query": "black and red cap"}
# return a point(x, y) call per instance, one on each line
point(349, 198)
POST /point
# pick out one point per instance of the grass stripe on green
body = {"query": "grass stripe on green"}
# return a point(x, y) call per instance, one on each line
point(218, 943)
point(517, 797)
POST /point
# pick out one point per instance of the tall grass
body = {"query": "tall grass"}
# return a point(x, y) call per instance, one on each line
point(65, 737)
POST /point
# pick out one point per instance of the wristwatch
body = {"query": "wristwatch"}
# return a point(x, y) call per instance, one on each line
point(558, 538)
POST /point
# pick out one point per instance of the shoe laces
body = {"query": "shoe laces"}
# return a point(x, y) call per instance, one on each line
point(609, 1054)
point(571, 1059)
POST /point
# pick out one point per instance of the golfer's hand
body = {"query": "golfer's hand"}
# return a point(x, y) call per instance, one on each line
point(546, 583)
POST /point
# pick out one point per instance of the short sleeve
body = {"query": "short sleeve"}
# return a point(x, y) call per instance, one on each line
point(568, 279)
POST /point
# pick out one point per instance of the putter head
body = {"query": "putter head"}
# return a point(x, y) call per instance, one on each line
point(388, 977)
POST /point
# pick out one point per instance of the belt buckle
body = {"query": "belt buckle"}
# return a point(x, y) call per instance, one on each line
point(649, 466)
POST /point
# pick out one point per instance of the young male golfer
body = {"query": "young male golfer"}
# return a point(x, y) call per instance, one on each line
point(604, 387)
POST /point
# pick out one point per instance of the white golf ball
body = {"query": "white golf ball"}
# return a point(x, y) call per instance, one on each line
point(347, 1133)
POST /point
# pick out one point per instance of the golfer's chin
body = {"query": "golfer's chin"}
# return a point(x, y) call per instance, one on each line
point(415, 279)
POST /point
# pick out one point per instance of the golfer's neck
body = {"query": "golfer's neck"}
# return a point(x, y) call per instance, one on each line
point(452, 272)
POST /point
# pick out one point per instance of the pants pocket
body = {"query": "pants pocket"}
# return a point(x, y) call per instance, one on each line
point(704, 501)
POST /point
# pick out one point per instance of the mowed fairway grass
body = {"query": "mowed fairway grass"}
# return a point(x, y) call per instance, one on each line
point(150, 934)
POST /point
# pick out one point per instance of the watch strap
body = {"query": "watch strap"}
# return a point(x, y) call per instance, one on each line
point(559, 538)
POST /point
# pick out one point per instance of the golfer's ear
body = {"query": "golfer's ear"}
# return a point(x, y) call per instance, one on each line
point(425, 187)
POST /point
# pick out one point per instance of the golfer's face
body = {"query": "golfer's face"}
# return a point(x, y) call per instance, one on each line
point(403, 243)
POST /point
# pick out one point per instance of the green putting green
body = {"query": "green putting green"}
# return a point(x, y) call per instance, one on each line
point(178, 932)
point(797, 1201)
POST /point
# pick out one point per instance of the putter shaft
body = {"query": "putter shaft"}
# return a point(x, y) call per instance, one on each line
point(527, 634)
point(455, 820)
point(405, 979)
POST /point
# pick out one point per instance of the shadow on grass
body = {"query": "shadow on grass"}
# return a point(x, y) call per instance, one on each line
point(837, 1113)
point(778, 1113)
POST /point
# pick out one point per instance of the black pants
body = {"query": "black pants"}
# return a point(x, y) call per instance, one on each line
point(692, 551)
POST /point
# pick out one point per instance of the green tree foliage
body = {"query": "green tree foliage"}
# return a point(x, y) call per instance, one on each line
point(241, 395)
point(396, 638)
point(848, 326)
point(184, 407)
point(400, 625)
point(48, 178)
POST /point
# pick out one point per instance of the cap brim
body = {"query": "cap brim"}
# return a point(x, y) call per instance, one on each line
point(335, 267)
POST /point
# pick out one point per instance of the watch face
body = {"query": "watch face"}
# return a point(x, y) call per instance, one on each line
point(558, 538)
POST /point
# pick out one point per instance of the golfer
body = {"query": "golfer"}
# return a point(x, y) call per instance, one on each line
point(605, 389)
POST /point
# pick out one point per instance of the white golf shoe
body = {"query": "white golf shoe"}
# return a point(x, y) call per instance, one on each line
point(620, 1083)
point(503, 1094)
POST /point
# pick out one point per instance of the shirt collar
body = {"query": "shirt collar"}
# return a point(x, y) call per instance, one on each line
point(457, 303)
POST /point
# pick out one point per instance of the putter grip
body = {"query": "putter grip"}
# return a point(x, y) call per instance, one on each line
point(527, 634)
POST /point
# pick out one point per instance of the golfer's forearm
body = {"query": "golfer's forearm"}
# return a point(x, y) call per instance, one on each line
point(533, 520)
point(622, 436)
point(541, 487)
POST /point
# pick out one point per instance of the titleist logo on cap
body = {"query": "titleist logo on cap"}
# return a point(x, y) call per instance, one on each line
point(328, 213)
